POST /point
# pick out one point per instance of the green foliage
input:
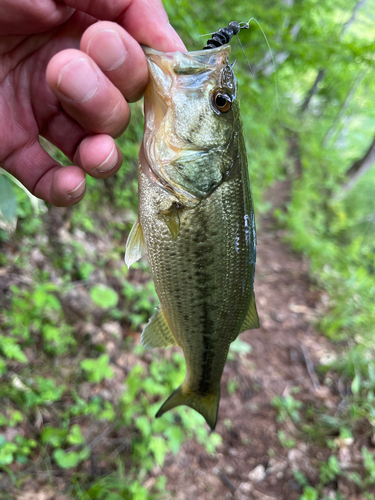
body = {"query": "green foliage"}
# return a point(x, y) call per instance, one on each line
point(286, 442)
point(140, 302)
point(70, 459)
point(97, 369)
point(287, 407)
point(35, 313)
point(8, 201)
point(309, 493)
point(103, 296)
point(329, 470)
point(19, 449)
point(232, 386)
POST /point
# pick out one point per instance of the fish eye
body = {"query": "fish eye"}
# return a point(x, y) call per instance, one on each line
point(222, 101)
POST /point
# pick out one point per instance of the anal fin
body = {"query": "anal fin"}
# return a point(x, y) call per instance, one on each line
point(135, 246)
point(157, 333)
point(251, 319)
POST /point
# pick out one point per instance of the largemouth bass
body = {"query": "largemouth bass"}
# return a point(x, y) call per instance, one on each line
point(196, 218)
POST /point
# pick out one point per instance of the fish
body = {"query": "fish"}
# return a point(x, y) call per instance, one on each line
point(196, 218)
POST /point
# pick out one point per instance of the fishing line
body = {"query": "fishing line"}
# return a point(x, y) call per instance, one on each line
point(273, 60)
point(243, 52)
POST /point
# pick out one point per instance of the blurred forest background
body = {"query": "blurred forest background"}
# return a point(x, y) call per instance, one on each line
point(78, 393)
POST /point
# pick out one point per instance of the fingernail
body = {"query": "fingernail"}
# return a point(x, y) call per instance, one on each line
point(173, 36)
point(109, 162)
point(110, 51)
point(78, 191)
point(78, 81)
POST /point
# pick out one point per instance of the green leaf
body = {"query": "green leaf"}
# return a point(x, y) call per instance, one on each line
point(356, 384)
point(143, 425)
point(53, 436)
point(175, 437)
point(239, 346)
point(159, 448)
point(75, 435)
point(66, 460)
point(7, 451)
point(8, 201)
point(285, 441)
point(12, 350)
point(15, 418)
point(104, 297)
point(309, 493)
point(97, 369)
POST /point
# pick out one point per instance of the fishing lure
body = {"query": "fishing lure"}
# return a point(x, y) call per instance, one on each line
point(225, 35)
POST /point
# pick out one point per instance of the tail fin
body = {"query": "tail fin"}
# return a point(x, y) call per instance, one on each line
point(207, 405)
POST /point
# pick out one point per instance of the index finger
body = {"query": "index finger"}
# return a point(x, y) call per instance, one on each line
point(145, 20)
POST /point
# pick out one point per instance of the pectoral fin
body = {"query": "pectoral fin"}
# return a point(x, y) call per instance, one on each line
point(157, 333)
point(251, 320)
point(171, 218)
point(207, 404)
point(135, 246)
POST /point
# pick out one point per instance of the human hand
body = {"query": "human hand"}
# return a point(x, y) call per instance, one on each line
point(69, 78)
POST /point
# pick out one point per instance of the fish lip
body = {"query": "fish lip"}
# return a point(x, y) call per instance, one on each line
point(223, 48)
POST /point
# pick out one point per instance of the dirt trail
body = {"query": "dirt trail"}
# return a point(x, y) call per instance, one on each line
point(282, 349)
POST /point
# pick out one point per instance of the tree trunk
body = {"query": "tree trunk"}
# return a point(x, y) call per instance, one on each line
point(312, 91)
point(357, 170)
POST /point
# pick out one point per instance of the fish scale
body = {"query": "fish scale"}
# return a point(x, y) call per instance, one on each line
point(200, 247)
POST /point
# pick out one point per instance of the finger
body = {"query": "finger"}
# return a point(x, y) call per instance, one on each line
point(145, 20)
point(44, 177)
point(86, 94)
point(63, 132)
point(99, 156)
point(31, 17)
point(67, 185)
point(119, 56)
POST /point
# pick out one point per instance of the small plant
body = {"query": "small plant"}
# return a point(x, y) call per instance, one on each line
point(287, 407)
point(19, 449)
point(103, 296)
point(286, 442)
point(309, 493)
point(97, 369)
point(70, 459)
point(232, 386)
point(140, 302)
point(35, 313)
point(330, 470)
point(369, 464)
